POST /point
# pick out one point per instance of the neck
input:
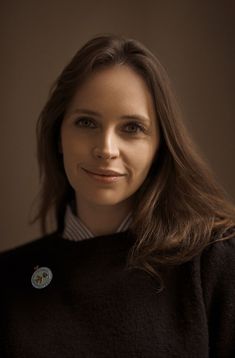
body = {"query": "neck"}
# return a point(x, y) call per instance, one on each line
point(103, 219)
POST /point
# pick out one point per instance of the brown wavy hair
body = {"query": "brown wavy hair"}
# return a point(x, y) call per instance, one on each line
point(180, 208)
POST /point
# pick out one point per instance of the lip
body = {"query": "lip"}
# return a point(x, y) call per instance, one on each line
point(105, 172)
point(104, 179)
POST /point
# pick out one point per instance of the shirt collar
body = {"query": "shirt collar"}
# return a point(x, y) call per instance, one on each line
point(76, 230)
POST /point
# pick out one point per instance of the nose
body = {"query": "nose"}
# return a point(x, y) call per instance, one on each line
point(106, 146)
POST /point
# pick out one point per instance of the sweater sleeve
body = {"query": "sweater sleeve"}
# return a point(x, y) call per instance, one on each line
point(218, 283)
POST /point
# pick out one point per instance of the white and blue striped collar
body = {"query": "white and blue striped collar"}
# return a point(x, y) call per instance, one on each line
point(76, 230)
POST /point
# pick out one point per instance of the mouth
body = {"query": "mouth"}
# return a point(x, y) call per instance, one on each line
point(104, 173)
point(103, 179)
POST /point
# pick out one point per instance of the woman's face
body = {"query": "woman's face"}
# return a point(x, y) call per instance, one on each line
point(100, 131)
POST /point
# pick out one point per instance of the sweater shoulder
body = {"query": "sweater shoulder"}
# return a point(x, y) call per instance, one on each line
point(34, 247)
point(53, 245)
point(218, 287)
point(219, 254)
point(218, 270)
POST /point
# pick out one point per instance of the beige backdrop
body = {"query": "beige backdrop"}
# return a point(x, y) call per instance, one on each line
point(193, 39)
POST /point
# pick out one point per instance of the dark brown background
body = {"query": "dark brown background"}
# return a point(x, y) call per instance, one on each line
point(193, 39)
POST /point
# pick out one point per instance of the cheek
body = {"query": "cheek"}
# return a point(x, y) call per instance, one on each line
point(70, 158)
point(73, 147)
point(143, 158)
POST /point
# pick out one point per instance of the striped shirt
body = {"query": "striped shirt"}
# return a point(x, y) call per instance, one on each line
point(76, 230)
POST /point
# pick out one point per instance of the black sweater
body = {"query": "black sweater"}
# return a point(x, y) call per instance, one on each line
point(94, 308)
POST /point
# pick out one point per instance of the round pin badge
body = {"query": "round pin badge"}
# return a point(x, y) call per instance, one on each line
point(42, 277)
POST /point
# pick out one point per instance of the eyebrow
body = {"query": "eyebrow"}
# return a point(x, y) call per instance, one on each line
point(126, 116)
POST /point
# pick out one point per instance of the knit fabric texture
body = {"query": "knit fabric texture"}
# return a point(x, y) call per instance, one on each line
point(95, 308)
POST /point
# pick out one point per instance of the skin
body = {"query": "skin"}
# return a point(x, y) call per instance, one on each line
point(109, 141)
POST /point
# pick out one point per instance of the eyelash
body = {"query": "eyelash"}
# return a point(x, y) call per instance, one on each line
point(139, 126)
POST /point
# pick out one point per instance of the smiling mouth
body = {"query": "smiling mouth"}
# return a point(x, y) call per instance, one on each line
point(103, 175)
point(104, 179)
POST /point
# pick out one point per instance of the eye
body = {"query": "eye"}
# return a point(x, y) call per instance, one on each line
point(86, 121)
point(83, 120)
point(136, 125)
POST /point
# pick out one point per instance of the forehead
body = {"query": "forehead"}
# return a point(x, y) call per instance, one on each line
point(112, 88)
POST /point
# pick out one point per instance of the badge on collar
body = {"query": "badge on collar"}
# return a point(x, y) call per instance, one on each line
point(41, 277)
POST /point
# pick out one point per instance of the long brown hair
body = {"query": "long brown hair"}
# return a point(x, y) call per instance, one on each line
point(179, 208)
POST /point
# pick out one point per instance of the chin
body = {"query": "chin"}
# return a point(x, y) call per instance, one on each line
point(105, 200)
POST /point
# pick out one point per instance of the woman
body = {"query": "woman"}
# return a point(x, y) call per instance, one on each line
point(142, 262)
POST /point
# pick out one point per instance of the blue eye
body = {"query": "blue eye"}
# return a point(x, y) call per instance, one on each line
point(136, 125)
point(82, 120)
